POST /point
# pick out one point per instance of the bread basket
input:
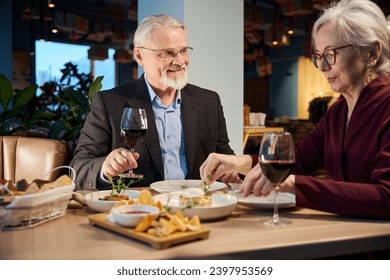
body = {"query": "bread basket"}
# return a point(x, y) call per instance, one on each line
point(30, 210)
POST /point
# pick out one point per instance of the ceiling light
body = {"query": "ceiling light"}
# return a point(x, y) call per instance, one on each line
point(290, 29)
point(51, 3)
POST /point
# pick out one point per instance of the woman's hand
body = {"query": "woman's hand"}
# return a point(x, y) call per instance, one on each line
point(256, 182)
point(118, 161)
point(288, 185)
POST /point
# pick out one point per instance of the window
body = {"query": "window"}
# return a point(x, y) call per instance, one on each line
point(106, 68)
point(51, 57)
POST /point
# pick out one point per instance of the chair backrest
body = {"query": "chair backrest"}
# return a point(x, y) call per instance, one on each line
point(31, 158)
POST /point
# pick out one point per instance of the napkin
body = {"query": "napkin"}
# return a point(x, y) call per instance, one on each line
point(257, 119)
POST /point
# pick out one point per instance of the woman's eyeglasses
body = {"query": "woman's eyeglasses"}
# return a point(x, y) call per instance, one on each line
point(328, 55)
point(169, 53)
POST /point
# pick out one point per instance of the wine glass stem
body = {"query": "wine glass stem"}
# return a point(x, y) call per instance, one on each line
point(132, 150)
point(276, 204)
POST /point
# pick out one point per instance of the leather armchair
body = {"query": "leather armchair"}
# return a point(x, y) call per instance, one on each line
point(31, 158)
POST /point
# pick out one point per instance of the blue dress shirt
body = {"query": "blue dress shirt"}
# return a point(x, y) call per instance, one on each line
point(171, 136)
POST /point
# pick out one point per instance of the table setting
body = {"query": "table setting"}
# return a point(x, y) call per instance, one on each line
point(223, 202)
point(239, 235)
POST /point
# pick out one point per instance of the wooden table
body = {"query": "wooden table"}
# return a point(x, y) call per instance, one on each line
point(312, 234)
point(250, 131)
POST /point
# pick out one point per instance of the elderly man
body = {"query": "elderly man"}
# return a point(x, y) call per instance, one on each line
point(185, 122)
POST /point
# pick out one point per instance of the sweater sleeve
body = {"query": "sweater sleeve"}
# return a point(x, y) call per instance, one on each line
point(345, 198)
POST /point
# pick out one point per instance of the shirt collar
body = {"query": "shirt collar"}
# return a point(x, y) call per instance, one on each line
point(153, 94)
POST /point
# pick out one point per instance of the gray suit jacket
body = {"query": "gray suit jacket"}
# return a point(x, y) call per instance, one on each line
point(203, 122)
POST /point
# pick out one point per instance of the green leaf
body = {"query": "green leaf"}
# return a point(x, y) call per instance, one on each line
point(78, 98)
point(6, 91)
point(57, 130)
point(121, 183)
point(12, 113)
point(24, 96)
point(44, 115)
point(95, 87)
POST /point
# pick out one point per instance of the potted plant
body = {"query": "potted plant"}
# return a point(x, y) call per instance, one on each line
point(13, 113)
point(74, 95)
point(58, 113)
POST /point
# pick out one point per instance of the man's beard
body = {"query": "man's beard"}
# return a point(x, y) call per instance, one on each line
point(178, 82)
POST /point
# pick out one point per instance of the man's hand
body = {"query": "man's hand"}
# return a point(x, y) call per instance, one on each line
point(118, 161)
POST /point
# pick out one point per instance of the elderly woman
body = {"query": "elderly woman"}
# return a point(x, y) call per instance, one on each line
point(351, 48)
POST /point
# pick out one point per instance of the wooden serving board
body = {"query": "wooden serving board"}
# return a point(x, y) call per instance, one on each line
point(155, 241)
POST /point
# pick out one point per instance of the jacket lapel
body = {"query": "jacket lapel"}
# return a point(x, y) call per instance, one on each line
point(140, 99)
point(190, 119)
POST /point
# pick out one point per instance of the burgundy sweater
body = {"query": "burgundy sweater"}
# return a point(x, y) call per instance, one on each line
point(356, 158)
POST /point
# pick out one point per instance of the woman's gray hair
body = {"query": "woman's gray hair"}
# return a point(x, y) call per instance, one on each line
point(148, 24)
point(362, 24)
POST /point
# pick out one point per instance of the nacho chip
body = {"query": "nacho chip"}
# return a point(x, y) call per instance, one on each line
point(129, 201)
point(192, 227)
point(145, 198)
point(158, 204)
point(144, 224)
point(152, 231)
point(195, 221)
point(162, 232)
point(168, 225)
point(181, 216)
point(179, 223)
point(155, 224)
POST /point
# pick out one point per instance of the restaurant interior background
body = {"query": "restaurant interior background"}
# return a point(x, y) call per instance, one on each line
point(279, 78)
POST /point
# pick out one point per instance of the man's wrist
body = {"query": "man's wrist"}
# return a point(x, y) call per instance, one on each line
point(103, 177)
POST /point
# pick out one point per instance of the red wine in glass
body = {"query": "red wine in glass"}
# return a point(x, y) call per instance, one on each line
point(133, 136)
point(133, 128)
point(276, 157)
point(276, 171)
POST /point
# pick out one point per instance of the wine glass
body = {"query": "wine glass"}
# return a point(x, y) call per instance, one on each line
point(276, 157)
point(133, 127)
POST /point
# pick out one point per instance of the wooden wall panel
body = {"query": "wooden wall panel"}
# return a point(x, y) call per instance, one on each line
point(256, 94)
point(311, 82)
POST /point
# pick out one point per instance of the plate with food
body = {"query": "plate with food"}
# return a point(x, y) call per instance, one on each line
point(286, 200)
point(102, 201)
point(181, 185)
point(195, 201)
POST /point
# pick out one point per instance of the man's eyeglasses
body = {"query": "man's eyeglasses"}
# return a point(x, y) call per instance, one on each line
point(328, 55)
point(169, 53)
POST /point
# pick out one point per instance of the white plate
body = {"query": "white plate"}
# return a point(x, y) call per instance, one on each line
point(177, 185)
point(98, 205)
point(221, 205)
point(286, 200)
